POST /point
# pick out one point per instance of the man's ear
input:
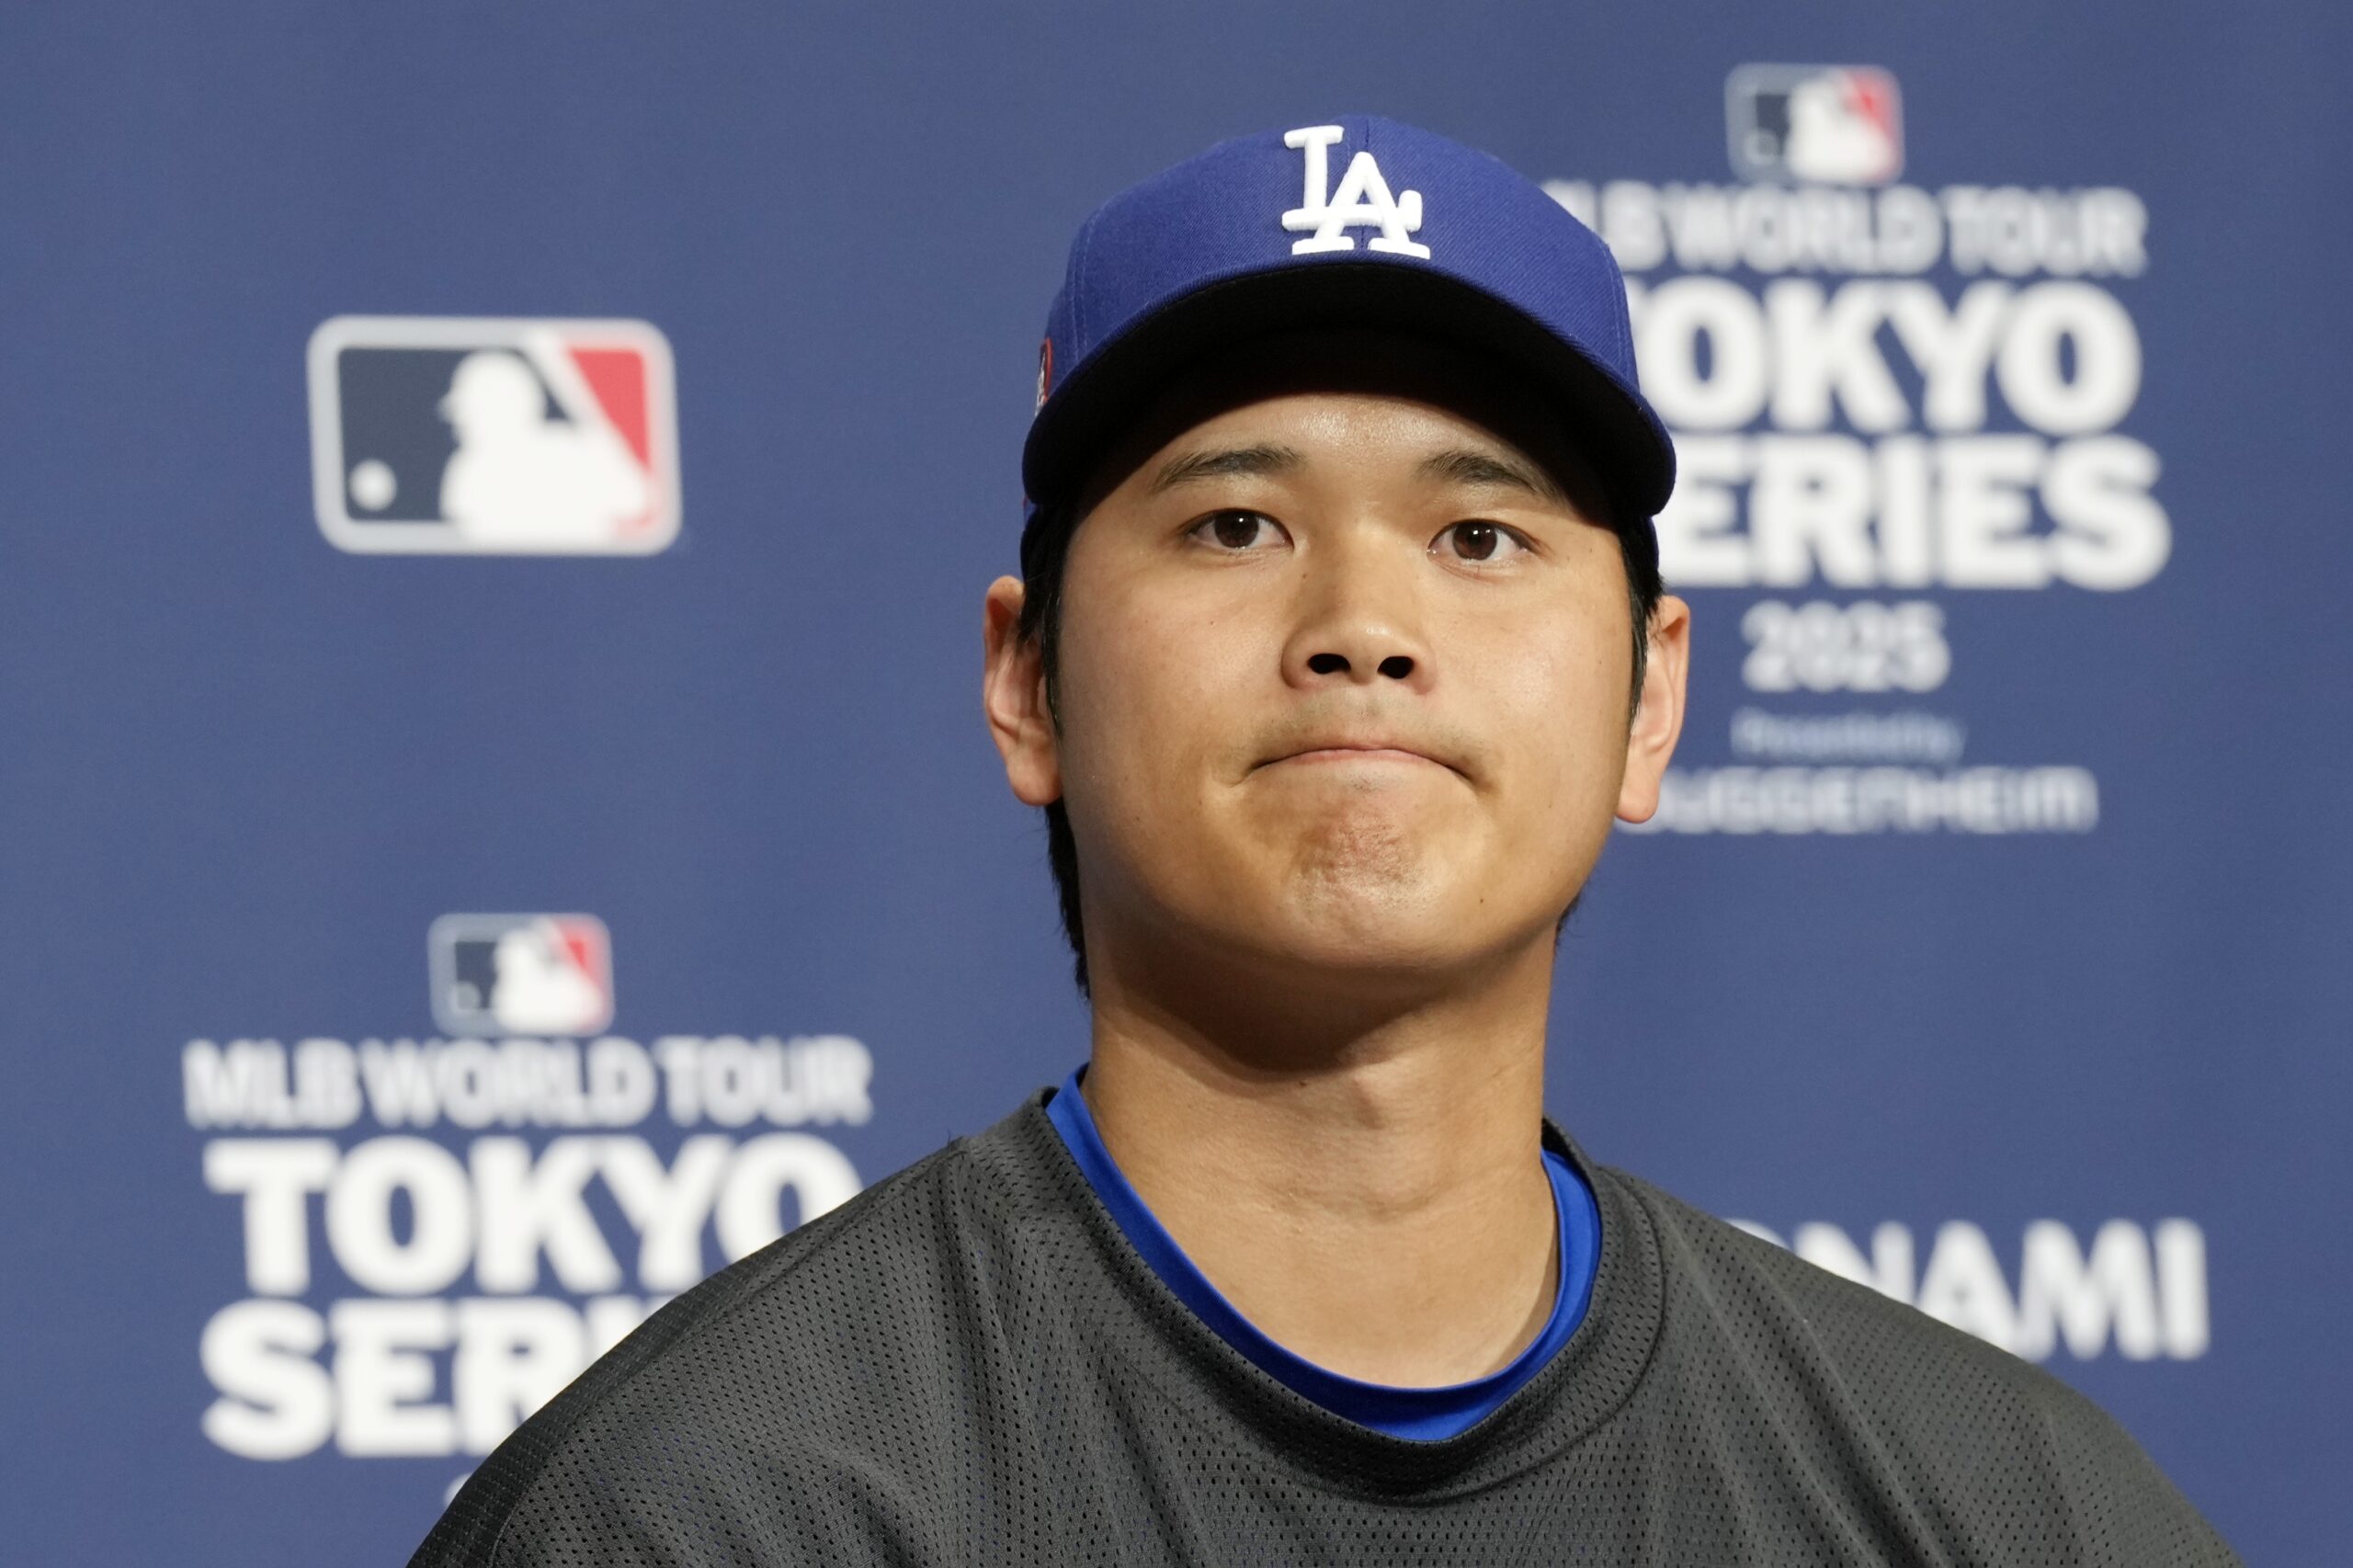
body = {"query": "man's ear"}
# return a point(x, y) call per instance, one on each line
point(1658, 714)
point(1013, 695)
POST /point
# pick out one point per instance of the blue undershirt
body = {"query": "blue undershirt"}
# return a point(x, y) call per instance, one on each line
point(1423, 1414)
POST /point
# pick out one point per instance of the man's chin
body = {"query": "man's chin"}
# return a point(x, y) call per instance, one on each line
point(1314, 970)
point(1374, 940)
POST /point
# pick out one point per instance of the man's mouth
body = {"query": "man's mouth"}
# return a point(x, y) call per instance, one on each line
point(1370, 752)
point(1356, 753)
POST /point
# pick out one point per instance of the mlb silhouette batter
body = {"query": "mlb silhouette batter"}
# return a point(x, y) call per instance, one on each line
point(520, 481)
point(1339, 643)
point(1831, 137)
point(539, 990)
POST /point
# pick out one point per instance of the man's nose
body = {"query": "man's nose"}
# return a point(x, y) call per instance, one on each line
point(1360, 617)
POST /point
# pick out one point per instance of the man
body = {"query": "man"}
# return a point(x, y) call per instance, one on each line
point(1338, 645)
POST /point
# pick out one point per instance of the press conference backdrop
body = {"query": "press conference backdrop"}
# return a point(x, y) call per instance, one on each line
point(495, 819)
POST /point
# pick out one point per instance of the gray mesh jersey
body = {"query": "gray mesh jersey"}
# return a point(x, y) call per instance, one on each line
point(968, 1364)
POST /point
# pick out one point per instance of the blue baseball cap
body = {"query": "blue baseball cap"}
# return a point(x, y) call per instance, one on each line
point(1359, 222)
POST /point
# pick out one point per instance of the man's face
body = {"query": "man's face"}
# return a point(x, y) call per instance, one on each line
point(1344, 676)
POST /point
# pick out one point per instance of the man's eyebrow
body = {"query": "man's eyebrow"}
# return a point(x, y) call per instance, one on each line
point(1223, 462)
point(1462, 465)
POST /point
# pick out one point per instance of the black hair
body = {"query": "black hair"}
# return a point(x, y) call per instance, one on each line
point(1046, 552)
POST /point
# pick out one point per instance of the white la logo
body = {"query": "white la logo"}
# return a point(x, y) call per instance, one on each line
point(1362, 201)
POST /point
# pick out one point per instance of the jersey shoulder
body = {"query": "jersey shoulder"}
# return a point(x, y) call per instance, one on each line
point(1982, 1450)
point(742, 1384)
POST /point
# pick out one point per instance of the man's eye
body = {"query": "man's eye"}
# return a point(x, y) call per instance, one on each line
point(1479, 542)
point(1237, 529)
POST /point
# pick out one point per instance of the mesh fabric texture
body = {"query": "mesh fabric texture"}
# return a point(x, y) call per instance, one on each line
point(968, 1364)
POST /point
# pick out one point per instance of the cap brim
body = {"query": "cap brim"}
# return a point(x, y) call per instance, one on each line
point(1628, 449)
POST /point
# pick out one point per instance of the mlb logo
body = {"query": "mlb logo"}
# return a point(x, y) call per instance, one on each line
point(544, 975)
point(494, 435)
point(1818, 124)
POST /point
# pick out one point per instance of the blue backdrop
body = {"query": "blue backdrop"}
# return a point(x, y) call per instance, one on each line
point(1991, 944)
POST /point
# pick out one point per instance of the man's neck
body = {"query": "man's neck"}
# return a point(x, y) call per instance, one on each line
point(1376, 1203)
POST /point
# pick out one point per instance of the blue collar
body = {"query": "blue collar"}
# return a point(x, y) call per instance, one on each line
point(1424, 1414)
